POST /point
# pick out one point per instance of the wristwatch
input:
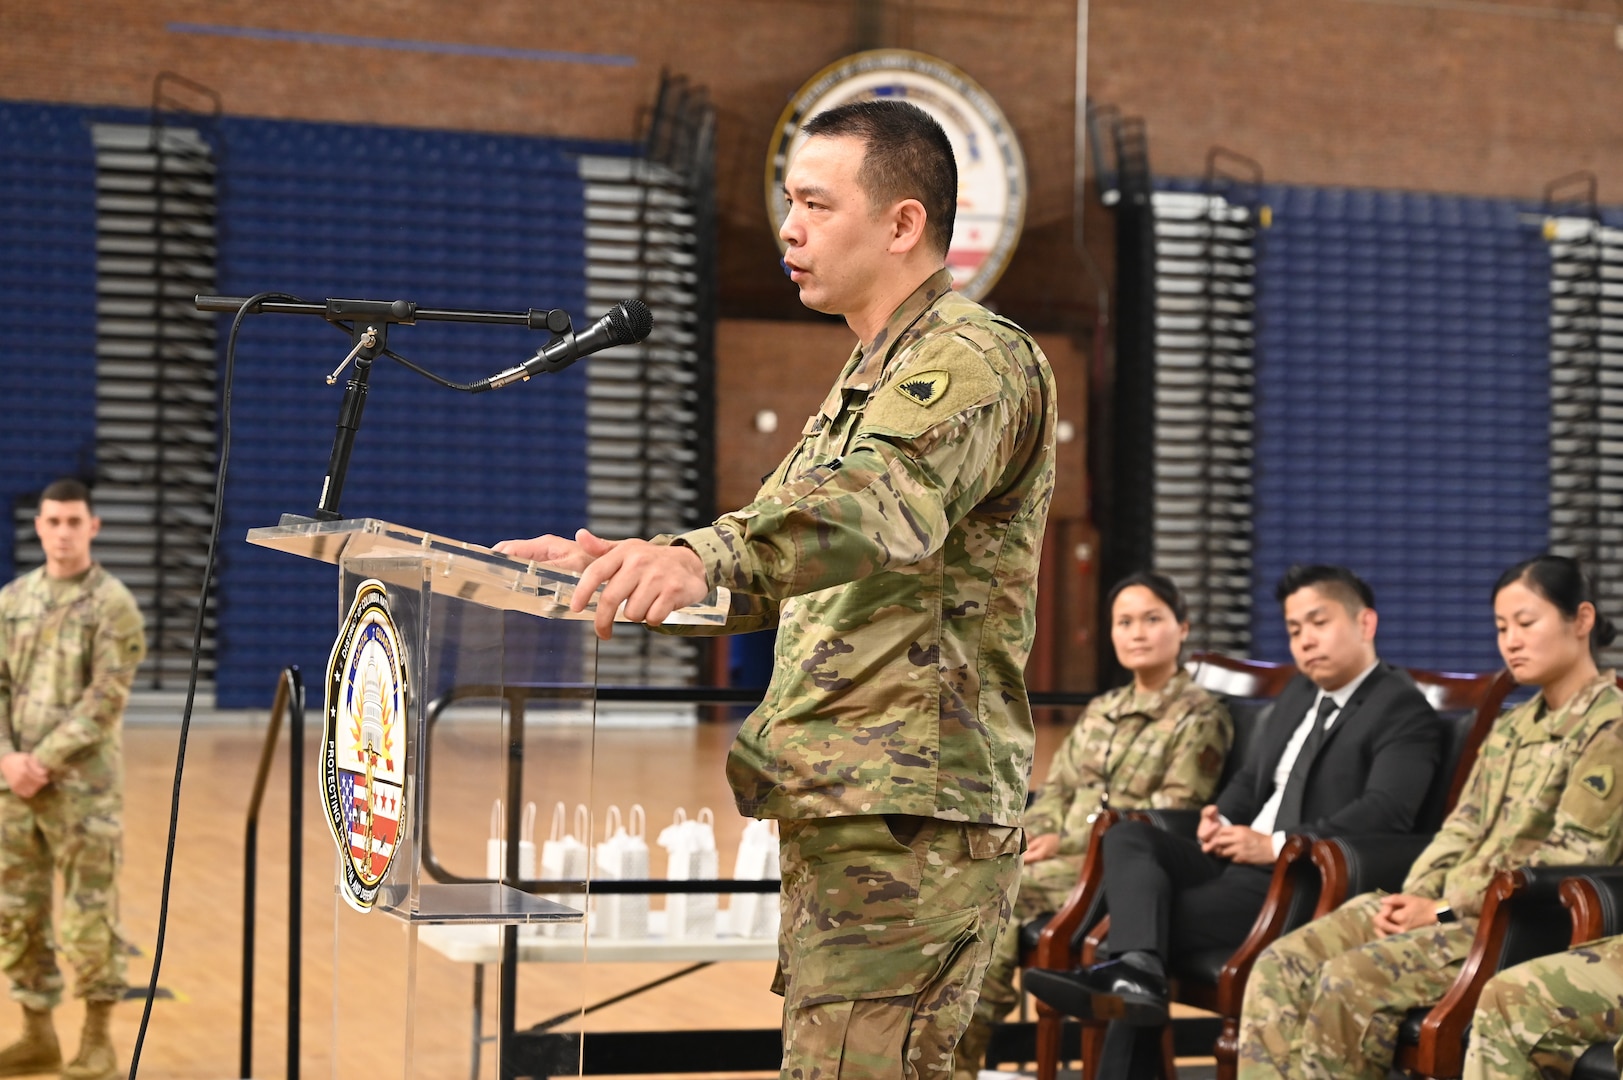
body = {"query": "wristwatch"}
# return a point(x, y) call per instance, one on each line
point(1445, 913)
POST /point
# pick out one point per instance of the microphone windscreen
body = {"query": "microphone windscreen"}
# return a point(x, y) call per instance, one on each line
point(632, 321)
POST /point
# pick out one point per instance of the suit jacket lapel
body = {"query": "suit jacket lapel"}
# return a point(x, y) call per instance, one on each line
point(1281, 729)
point(1350, 710)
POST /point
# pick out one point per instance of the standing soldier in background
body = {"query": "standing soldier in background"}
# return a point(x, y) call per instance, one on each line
point(896, 550)
point(71, 638)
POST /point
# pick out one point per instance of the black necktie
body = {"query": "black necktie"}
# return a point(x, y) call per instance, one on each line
point(1290, 804)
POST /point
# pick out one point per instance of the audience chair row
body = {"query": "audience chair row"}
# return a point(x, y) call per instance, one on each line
point(1309, 878)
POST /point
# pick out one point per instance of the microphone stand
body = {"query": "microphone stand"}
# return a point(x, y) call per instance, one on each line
point(369, 336)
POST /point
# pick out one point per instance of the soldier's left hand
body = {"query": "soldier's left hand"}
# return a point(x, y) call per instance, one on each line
point(1401, 912)
point(546, 548)
point(1041, 847)
point(24, 774)
point(652, 580)
point(1243, 844)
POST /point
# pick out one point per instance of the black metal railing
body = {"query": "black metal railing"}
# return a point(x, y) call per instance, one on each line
point(290, 701)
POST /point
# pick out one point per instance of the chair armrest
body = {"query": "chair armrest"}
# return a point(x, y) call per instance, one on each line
point(1093, 940)
point(1291, 892)
point(1178, 822)
point(1351, 865)
point(1082, 908)
point(1521, 919)
point(1594, 896)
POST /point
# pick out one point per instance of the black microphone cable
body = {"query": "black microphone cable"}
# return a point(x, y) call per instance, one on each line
point(248, 306)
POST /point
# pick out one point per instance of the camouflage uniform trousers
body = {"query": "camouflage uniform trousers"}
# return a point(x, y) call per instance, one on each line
point(1044, 887)
point(79, 836)
point(1327, 1000)
point(888, 926)
point(1537, 1018)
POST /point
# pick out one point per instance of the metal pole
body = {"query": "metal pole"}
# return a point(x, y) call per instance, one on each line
point(295, 866)
point(250, 874)
point(508, 1006)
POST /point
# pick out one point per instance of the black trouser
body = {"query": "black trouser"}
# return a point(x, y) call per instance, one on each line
point(1167, 896)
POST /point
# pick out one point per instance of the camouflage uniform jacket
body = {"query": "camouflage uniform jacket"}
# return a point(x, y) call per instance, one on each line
point(1546, 790)
point(68, 654)
point(1164, 749)
point(899, 541)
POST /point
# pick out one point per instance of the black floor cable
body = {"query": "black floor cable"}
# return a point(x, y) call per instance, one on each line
point(248, 307)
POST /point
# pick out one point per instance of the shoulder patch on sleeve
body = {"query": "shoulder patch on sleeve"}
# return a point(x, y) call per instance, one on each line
point(1598, 781)
point(925, 388)
point(1593, 797)
point(945, 377)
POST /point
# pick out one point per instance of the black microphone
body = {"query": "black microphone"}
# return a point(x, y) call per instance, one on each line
point(627, 322)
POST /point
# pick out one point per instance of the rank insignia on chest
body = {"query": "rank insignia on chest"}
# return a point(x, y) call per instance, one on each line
point(925, 388)
point(1598, 782)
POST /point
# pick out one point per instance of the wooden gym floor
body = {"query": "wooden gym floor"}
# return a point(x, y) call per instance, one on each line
point(195, 1023)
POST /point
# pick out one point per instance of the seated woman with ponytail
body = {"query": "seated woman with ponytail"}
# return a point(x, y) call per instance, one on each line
point(1546, 789)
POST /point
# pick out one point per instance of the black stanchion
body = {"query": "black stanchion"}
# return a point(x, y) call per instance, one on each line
point(289, 700)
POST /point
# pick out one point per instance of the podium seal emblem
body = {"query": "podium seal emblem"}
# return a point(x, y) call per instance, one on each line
point(363, 750)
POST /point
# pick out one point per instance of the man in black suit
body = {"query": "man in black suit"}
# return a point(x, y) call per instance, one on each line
point(1351, 748)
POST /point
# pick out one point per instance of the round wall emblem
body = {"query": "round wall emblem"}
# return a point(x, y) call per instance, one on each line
point(991, 169)
point(363, 752)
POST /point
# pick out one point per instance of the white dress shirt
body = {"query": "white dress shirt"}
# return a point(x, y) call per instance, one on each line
point(1264, 821)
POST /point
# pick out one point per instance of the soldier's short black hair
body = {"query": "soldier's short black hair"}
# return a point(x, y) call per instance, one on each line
point(68, 490)
point(906, 155)
point(1159, 584)
point(1338, 582)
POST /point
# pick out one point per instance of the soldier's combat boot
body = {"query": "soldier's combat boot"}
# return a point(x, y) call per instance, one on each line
point(37, 1051)
point(96, 1060)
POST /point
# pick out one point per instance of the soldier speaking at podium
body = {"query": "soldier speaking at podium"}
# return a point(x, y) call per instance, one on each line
point(896, 550)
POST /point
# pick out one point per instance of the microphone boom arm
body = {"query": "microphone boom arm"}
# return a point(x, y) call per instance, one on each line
point(369, 332)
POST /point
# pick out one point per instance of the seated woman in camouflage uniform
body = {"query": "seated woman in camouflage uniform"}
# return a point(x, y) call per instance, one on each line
point(1327, 1000)
point(1160, 741)
point(1537, 1019)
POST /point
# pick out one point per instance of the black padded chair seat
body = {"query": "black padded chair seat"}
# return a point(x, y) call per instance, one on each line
point(1409, 1030)
point(1597, 1063)
point(1031, 931)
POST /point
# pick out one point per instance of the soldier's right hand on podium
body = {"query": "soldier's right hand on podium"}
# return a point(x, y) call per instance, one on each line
point(548, 548)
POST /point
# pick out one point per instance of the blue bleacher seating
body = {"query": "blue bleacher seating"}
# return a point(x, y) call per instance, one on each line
point(448, 219)
point(1402, 407)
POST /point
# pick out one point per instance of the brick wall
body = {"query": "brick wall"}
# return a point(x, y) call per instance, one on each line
point(1484, 98)
point(1491, 98)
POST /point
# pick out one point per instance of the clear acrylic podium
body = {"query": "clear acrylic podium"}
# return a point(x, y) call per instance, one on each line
point(475, 628)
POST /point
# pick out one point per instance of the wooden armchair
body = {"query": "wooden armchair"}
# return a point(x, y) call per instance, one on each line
point(1215, 981)
point(1239, 677)
point(1469, 706)
point(1526, 913)
point(1595, 899)
point(1250, 686)
point(1060, 941)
